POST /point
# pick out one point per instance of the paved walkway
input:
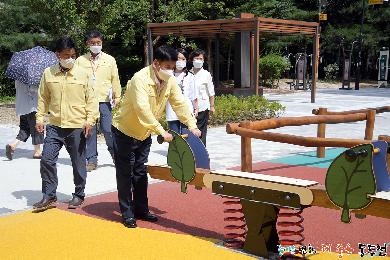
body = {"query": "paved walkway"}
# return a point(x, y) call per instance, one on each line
point(21, 182)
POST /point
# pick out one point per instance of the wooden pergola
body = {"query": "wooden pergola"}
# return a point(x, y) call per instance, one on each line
point(224, 27)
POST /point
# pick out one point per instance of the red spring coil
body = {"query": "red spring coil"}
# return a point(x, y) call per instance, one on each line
point(237, 226)
point(290, 227)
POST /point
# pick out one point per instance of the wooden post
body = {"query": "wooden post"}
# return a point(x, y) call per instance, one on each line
point(387, 139)
point(252, 44)
point(370, 125)
point(150, 46)
point(314, 67)
point(256, 59)
point(246, 151)
point(216, 63)
point(321, 133)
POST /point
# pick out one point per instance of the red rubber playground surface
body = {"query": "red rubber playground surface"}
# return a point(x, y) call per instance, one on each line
point(199, 214)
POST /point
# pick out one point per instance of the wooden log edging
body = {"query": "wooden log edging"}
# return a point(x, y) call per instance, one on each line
point(274, 123)
point(378, 110)
point(299, 140)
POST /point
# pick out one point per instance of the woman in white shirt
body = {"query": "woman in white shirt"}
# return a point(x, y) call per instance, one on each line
point(185, 80)
point(205, 91)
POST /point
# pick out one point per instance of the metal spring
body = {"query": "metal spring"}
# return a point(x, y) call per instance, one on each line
point(290, 231)
point(235, 238)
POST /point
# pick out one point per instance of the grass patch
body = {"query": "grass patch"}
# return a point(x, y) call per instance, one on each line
point(7, 100)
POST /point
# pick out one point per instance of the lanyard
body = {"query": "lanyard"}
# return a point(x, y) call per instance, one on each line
point(94, 68)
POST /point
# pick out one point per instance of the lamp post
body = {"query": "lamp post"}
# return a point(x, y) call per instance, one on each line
point(359, 63)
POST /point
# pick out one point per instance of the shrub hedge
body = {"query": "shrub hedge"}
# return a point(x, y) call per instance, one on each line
point(230, 109)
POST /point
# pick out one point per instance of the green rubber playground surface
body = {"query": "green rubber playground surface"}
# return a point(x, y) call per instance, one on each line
point(310, 159)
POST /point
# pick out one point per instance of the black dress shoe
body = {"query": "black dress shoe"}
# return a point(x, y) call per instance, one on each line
point(147, 217)
point(130, 223)
point(44, 204)
point(75, 203)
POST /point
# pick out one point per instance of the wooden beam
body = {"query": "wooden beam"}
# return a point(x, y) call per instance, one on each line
point(150, 46)
point(256, 55)
point(370, 124)
point(314, 67)
point(378, 207)
point(274, 123)
point(300, 140)
point(216, 63)
point(321, 133)
point(246, 153)
point(213, 27)
point(378, 110)
point(294, 22)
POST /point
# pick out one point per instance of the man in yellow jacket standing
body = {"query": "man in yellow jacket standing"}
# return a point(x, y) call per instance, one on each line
point(65, 95)
point(104, 78)
point(137, 118)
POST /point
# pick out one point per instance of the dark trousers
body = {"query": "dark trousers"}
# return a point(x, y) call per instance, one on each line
point(105, 127)
point(74, 141)
point(130, 157)
point(202, 123)
point(27, 129)
point(176, 126)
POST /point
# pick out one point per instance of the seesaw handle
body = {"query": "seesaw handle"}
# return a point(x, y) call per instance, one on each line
point(160, 138)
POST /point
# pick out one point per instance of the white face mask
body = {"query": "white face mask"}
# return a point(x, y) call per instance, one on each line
point(165, 74)
point(95, 49)
point(180, 64)
point(68, 63)
point(197, 64)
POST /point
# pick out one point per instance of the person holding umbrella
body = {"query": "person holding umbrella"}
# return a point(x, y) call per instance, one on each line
point(66, 95)
point(26, 68)
point(104, 77)
point(26, 107)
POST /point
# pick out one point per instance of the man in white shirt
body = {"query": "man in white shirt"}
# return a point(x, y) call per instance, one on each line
point(205, 91)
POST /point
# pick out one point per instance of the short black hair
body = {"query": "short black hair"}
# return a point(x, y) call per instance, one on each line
point(165, 53)
point(183, 51)
point(93, 34)
point(64, 43)
point(196, 53)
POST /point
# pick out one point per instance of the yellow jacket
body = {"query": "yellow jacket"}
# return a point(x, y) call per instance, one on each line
point(67, 97)
point(142, 105)
point(105, 73)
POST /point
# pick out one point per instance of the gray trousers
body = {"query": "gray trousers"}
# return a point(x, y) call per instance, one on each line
point(27, 129)
point(105, 127)
point(74, 141)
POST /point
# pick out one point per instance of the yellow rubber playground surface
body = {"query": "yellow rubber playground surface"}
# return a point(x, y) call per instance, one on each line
point(59, 234)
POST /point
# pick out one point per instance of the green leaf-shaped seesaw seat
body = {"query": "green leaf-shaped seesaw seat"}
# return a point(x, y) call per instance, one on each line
point(350, 180)
point(181, 160)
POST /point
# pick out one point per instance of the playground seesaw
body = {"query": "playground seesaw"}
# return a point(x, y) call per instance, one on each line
point(357, 182)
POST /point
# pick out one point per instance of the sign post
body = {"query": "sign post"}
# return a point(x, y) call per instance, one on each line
point(383, 68)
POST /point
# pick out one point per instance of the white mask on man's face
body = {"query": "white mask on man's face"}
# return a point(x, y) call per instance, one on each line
point(165, 74)
point(95, 49)
point(68, 63)
point(198, 64)
point(180, 64)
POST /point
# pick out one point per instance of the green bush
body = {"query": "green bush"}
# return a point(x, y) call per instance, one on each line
point(231, 109)
point(7, 87)
point(331, 72)
point(271, 68)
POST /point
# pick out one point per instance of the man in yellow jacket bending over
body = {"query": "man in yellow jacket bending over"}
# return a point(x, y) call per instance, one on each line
point(64, 93)
point(103, 73)
point(137, 118)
